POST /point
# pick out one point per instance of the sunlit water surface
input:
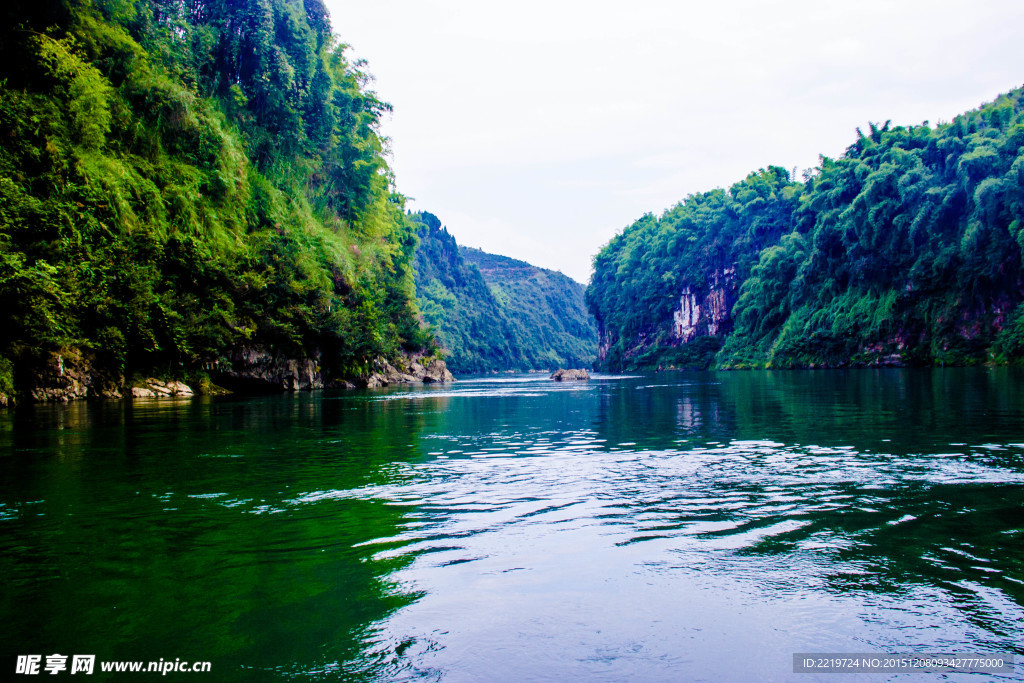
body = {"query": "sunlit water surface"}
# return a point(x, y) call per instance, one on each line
point(678, 526)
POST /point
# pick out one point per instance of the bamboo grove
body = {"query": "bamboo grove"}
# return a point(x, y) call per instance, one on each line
point(183, 177)
point(906, 250)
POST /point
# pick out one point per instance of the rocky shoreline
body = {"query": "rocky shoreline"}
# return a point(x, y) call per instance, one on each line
point(72, 374)
point(409, 371)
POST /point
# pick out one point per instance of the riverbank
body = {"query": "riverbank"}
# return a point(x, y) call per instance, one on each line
point(71, 374)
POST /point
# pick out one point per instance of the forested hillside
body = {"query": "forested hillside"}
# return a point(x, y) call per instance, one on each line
point(545, 307)
point(495, 313)
point(459, 307)
point(184, 181)
point(905, 251)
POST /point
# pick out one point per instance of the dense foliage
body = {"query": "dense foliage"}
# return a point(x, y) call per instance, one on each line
point(178, 179)
point(459, 307)
point(906, 250)
point(495, 313)
point(546, 309)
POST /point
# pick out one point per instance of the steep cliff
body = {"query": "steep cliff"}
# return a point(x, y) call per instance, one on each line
point(706, 312)
point(689, 338)
point(664, 290)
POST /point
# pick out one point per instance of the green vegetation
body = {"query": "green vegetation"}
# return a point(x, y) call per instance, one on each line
point(906, 250)
point(457, 304)
point(495, 313)
point(546, 309)
point(181, 179)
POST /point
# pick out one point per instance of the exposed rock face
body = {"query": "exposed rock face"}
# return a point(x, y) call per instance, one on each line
point(704, 311)
point(3, 400)
point(604, 343)
point(437, 371)
point(707, 312)
point(70, 374)
point(385, 374)
point(257, 369)
point(411, 369)
point(154, 388)
point(561, 375)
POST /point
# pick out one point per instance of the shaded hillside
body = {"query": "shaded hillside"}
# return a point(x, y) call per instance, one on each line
point(455, 300)
point(184, 182)
point(545, 307)
point(494, 313)
point(906, 250)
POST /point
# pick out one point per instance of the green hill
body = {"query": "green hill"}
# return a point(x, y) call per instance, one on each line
point(904, 251)
point(545, 307)
point(495, 313)
point(181, 183)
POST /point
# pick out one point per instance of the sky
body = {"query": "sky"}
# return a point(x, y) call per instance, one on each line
point(539, 129)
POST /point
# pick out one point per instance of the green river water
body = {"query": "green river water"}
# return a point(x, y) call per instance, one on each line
point(677, 526)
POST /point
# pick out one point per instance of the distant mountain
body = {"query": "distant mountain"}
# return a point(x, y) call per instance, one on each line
point(546, 307)
point(495, 313)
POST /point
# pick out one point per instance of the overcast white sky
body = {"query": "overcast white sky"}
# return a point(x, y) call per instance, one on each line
point(540, 128)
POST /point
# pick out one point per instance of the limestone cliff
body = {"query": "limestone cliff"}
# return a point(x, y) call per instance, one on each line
point(687, 334)
point(906, 250)
point(706, 311)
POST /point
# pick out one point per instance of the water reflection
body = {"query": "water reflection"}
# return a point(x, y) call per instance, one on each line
point(511, 528)
point(156, 529)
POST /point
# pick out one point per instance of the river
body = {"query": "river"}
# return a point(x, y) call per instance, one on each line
point(673, 526)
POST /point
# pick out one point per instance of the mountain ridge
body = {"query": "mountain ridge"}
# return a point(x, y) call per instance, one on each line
point(496, 313)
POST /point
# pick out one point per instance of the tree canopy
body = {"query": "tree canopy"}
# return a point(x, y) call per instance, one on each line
point(178, 179)
point(907, 249)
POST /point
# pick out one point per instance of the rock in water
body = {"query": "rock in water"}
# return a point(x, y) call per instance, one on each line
point(437, 371)
point(561, 375)
point(154, 388)
point(410, 370)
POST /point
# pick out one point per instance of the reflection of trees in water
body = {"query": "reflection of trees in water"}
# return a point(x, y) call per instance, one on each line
point(915, 529)
point(655, 411)
point(960, 539)
point(894, 410)
point(187, 529)
point(243, 531)
point(938, 546)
